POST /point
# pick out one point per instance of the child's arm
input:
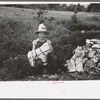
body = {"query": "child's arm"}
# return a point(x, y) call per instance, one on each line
point(34, 43)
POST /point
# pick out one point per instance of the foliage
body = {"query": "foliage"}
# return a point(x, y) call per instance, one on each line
point(59, 7)
point(93, 7)
point(16, 36)
point(14, 64)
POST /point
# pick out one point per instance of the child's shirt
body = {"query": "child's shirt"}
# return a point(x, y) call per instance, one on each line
point(37, 43)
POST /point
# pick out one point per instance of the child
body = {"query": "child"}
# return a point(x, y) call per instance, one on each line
point(37, 43)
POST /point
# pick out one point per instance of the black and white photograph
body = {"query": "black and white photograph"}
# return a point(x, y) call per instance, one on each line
point(50, 42)
point(50, 50)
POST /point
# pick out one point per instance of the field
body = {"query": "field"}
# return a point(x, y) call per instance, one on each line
point(29, 17)
point(17, 32)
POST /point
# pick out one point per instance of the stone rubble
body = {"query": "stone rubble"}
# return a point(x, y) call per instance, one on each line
point(85, 57)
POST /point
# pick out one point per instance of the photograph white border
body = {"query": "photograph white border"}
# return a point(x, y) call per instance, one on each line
point(46, 89)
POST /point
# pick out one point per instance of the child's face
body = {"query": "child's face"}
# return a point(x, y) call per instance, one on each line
point(42, 36)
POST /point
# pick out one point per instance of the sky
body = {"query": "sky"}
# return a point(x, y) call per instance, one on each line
point(83, 3)
point(68, 3)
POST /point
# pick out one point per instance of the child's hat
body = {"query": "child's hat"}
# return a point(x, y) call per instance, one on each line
point(41, 28)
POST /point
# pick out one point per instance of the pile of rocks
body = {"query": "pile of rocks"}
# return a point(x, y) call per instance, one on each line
point(88, 57)
point(92, 54)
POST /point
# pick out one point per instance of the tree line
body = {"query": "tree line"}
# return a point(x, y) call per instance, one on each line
point(93, 7)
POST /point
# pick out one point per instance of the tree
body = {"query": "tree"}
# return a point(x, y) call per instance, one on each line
point(93, 7)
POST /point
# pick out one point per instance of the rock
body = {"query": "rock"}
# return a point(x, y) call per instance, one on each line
point(91, 54)
point(85, 49)
point(95, 59)
point(89, 48)
point(98, 65)
point(89, 41)
point(52, 76)
point(94, 40)
point(75, 63)
point(84, 60)
point(89, 45)
point(79, 64)
point(98, 50)
point(79, 52)
point(71, 65)
point(98, 42)
point(96, 46)
point(88, 55)
point(89, 64)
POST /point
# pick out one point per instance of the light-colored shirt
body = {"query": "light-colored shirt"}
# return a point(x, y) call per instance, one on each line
point(34, 43)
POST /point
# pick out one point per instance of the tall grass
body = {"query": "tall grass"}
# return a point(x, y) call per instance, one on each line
point(16, 37)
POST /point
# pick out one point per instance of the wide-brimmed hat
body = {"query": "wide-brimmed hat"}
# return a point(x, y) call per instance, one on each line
point(41, 28)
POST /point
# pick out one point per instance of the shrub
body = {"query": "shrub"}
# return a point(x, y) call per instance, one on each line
point(13, 45)
point(94, 18)
point(16, 37)
point(74, 23)
point(18, 67)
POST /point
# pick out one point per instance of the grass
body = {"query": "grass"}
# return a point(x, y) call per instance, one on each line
point(26, 22)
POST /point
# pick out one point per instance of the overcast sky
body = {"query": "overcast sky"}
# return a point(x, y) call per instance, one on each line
point(68, 3)
point(83, 3)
